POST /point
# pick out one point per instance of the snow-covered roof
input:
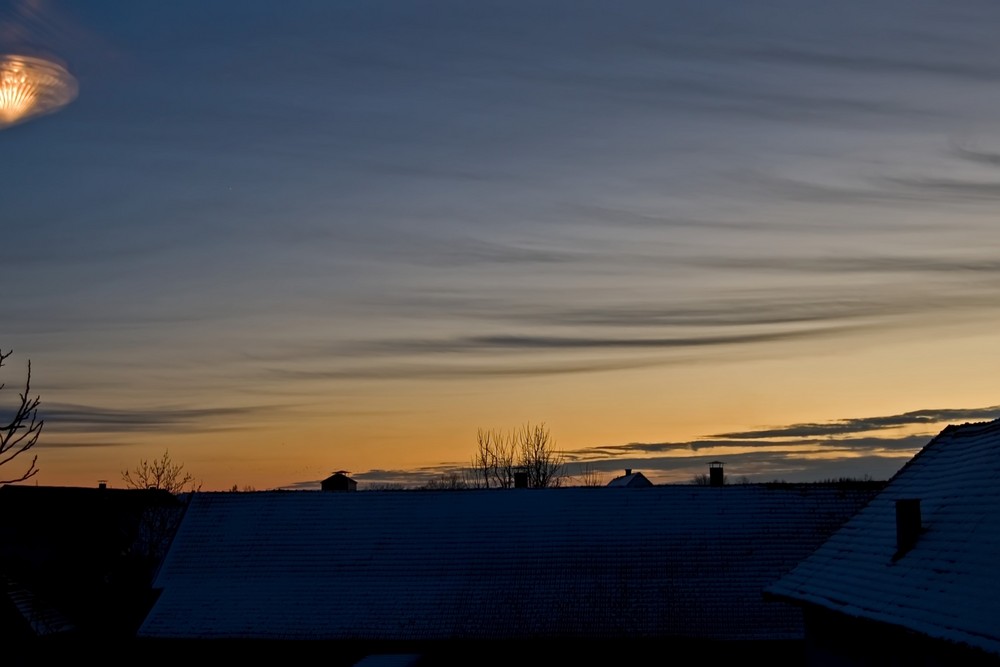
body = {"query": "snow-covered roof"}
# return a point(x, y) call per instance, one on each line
point(633, 479)
point(38, 613)
point(492, 564)
point(945, 586)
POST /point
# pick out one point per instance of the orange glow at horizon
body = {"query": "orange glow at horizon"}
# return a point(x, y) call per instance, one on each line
point(32, 87)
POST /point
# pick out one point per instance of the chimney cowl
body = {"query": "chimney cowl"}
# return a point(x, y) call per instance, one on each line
point(715, 474)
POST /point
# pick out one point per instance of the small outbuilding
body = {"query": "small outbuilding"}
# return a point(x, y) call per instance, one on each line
point(632, 480)
point(338, 481)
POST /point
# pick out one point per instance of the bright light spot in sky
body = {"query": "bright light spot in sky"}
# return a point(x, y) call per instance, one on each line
point(32, 87)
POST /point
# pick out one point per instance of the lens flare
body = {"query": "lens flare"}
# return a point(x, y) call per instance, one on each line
point(31, 87)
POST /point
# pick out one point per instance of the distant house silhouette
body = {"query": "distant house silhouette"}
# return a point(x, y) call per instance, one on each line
point(338, 481)
point(913, 578)
point(452, 575)
point(632, 480)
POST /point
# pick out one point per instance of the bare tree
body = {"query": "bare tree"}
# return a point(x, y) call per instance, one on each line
point(21, 433)
point(246, 488)
point(589, 476)
point(482, 461)
point(529, 449)
point(495, 460)
point(160, 473)
point(538, 456)
point(159, 520)
point(449, 481)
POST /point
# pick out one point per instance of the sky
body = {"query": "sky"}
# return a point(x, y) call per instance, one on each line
point(283, 239)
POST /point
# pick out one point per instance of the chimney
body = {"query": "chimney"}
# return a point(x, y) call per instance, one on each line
point(102, 484)
point(715, 476)
point(628, 471)
point(908, 525)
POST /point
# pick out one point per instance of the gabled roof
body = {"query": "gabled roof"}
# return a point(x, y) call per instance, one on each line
point(946, 586)
point(339, 475)
point(597, 563)
point(635, 479)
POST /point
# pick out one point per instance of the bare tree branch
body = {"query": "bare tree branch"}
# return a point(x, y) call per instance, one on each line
point(160, 473)
point(590, 476)
point(538, 456)
point(482, 461)
point(529, 449)
point(21, 433)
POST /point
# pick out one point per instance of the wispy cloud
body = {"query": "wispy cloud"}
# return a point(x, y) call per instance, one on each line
point(540, 343)
point(442, 371)
point(522, 356)
point(876, 64)
point(870, 264)
point(94, 419)
point(59, 443)
point(796, 452)
point(945, 189)
point(988, 158)
point(865, 424)
point(505, 190)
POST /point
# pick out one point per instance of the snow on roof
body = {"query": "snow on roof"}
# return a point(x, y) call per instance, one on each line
point(946, 585)
point(42, 618)
point(492, 564)
point(634, 479)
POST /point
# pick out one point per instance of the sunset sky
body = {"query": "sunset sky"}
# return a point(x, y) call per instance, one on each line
point(280, 239)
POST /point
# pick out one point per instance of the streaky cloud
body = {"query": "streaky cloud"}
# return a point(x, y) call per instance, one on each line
point(865, 64)
point(887, 190)
point(472, 346)
point(543, 343)
point(955, 189)
point(736, 309)
point(886, 194)
point(58, 443)
point(870, 264)
point(989, 158)
point(763, 461)
point(865, 424)
point(446, 372)
point(557, 342)
point(708, 444)
point(83, 418)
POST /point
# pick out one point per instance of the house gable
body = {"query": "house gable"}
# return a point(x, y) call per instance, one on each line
point(943, 584)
